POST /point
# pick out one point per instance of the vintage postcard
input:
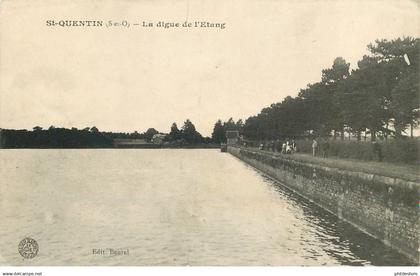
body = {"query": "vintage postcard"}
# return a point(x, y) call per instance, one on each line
point(210, 133)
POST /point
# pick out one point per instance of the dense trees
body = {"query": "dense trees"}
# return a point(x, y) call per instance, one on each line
point(218, 135)
point(175, 133)
point(186, 135)
point(54, 138)
point(91, 137)
point(219, 129)
point(148, 135)
point(190, 134)
point(381, 96)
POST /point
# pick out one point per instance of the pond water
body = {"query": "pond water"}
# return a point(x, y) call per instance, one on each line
point(165, 207)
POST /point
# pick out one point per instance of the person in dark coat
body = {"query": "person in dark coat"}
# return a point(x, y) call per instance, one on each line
point(325, 148)
point(377, 150)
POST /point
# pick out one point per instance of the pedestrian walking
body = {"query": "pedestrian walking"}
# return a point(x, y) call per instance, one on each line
point(377, 150)
point(294, 148)
point(278, 145)
point(283, 148)
point(325, 148)
point(314, 147)
point(288, 147)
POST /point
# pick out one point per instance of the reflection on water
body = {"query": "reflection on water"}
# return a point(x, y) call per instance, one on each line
point(343, 241)
point(166, 207)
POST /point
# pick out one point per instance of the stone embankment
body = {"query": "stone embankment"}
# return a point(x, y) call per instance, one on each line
point(384, 207)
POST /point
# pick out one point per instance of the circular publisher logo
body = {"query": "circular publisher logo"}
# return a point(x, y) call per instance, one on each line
point(28, 248)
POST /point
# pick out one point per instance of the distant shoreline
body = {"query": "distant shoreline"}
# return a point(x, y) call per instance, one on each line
point(92, 138)
point(147, 146)
point(203, 146)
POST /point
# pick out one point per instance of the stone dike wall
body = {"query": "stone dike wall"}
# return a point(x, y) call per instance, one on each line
point(383, 207)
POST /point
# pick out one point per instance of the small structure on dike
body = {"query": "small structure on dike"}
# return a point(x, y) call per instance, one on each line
point(232, 137)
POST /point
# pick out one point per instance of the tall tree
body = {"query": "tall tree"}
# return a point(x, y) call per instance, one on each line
point(365, 100)
point(218, 135)
point(319, 107)
point(332, 78)
point(230, 124)
point(94, 129)
point(175, 133)
point(190, 134)
point(384, 88)
point(399, 58)
point(339, 71)
point(405, 103)
point(240, 126)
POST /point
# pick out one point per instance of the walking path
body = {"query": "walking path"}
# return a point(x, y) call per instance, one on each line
point(410, 172)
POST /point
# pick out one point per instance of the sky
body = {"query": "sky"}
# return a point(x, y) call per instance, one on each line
point(127, 79)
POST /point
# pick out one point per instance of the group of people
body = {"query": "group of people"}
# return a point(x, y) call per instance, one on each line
point(285, 147)
point(320, 147)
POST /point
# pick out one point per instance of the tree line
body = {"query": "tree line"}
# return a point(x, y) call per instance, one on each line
point(186, 135)
point(379, 98)
point(91, 137)
point(54, 137)
point(220, 128)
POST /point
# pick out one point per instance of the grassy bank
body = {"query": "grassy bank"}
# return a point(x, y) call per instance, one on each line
point(404, 171)
point(393, 151)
